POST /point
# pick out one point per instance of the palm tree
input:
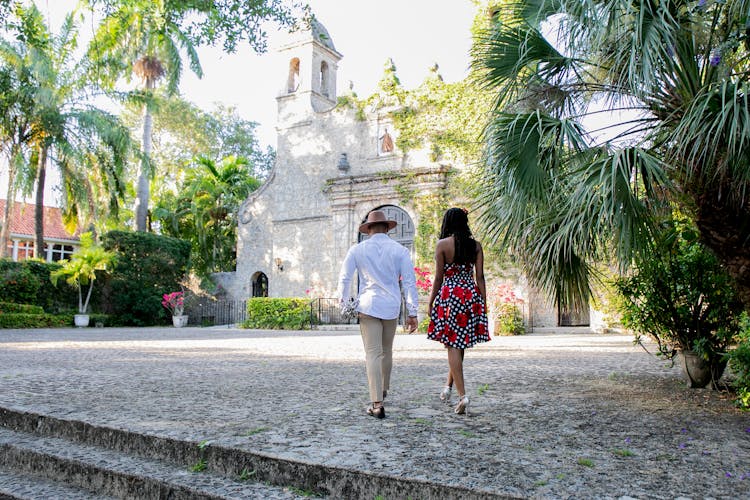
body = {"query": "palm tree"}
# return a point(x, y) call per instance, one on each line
point(146, 38)
point(206, 212)
point(64, 127)
point(16, 102)
point(567, 184)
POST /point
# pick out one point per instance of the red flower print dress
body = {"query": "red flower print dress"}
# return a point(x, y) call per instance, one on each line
point(459, 316)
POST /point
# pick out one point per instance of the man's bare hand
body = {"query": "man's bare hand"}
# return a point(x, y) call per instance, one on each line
point(411, 324)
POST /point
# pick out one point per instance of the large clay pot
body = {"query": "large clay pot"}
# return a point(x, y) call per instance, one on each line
point(700, 371)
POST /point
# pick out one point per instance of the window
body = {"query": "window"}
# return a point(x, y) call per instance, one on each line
point(292, 83)
point(59, 252)
point(324, 77)
point(25, 250)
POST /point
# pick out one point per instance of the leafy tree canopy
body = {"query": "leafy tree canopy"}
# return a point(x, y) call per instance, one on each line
point(203, 210)
point(566, 184)
point(208, 22)
point(182, 132)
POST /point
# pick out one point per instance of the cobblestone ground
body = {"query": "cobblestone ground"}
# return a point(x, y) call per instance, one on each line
point(556, 414)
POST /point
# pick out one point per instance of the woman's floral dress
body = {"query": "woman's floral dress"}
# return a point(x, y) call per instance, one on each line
point(459, 316)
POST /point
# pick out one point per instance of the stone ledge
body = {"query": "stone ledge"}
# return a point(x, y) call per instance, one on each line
point(230, 462)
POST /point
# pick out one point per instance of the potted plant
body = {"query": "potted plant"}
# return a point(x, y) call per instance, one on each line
point(175, 303)
point(80, 271)
point(683, 298)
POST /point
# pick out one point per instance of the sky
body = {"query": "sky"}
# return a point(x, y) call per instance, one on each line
point(414, 33)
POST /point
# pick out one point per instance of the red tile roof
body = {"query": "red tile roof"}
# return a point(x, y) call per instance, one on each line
point(22, 221)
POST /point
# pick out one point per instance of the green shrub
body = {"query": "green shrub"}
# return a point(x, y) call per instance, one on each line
point(21, 320)
point(508, 320)
point(682, 297)
point(27, 282)
point(278, 313)
point(148, 266)
point(739, 361)
point(101, 320)
point(423, 325)
point(17, 283)
point(11, 308)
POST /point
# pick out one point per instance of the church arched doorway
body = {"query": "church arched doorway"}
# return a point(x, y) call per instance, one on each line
point(260, 285)
point(403, 232)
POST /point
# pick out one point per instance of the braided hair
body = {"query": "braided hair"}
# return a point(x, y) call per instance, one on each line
point(456, 224)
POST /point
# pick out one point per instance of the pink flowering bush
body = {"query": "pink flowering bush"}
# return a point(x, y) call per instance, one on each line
point(175, 302)
point(424, 279)
point(507, 307)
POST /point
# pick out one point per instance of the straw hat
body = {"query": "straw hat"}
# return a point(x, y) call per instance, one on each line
point(375, 217)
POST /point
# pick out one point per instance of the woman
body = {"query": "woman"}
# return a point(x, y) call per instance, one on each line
point(458, 315)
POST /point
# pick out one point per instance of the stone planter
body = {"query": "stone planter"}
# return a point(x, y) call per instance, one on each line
point(180, 321)
point(699, 371)
point(81, 320)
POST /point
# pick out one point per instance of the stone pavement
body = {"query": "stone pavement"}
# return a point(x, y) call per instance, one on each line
point(554, 414)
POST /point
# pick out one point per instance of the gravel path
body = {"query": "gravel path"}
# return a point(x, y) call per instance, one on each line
point(556, 414)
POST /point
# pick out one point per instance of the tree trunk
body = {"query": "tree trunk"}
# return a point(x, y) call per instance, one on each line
point(39, 209)
point(726, 231)
point(142, 190)
point(10, 198)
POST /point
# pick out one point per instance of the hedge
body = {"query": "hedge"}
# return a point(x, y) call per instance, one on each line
point(278, 313)
point(21, 320)
point(11, 308)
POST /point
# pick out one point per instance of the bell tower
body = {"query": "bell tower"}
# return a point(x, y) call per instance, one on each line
point(310, 61)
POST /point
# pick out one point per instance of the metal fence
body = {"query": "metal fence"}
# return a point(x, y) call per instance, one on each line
point(326, 311)
point(217, 312)
point(323, 311)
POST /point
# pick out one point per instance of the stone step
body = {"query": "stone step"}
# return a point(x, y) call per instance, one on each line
point(131, 452)
point(116, 474)
point(16, 485)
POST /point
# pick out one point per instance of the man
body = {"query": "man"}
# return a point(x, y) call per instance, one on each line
point(380, 263)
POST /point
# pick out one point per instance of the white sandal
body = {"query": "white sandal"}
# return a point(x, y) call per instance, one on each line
point(463, 405)
point(445, 394)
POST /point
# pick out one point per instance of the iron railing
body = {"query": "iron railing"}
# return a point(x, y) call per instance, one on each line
point(217, 312)
point(327, 311)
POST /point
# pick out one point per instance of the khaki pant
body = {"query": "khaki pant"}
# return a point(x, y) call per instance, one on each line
point(377, 337)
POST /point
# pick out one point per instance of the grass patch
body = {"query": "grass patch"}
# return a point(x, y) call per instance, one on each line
point(303, 493)
point(199, 467)
point(483, 388)
point(466, 433)
point(257, 430)
point(246, 474)
point(586, 462)
point(623, 452)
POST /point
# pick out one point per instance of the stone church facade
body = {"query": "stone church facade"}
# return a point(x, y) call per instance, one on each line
point(332, 167)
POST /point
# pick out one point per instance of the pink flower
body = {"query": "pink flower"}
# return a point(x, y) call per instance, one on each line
point(174, 302)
